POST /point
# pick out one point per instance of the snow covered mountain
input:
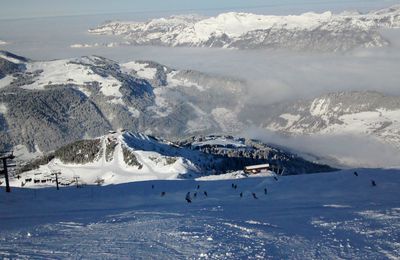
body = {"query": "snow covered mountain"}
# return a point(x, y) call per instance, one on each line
point(354, 113)
point(121, 157)
point(46, 104)
point(308, 31)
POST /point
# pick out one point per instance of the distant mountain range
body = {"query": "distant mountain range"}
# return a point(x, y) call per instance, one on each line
point(308, 31)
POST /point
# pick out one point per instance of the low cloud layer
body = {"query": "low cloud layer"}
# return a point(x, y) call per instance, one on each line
point(336, 150)
point(274, 76)
point(277, 75)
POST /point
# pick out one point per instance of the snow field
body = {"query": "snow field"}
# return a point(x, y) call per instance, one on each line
point(319, 216)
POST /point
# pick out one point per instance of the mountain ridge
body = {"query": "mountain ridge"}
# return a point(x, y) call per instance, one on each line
point(308, 31)
point(94, 95)
point(368, 113)
point(122, 156)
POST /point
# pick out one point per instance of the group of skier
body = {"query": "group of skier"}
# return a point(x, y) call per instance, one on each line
point(191, 195)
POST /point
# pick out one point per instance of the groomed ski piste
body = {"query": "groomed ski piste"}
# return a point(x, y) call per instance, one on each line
point(335, 215)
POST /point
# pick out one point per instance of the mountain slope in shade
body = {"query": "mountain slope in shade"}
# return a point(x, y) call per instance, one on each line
point(308, 31)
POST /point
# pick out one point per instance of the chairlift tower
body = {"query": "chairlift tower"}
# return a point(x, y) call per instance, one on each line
point(5, 156)
point(56, 173)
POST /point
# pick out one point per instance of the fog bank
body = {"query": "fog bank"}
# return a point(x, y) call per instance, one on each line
point(335, 150)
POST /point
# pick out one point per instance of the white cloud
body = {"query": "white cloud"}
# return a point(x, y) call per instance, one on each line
point(338, 150)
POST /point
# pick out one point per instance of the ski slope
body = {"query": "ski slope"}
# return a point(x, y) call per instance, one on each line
point(320, 216)
point(153, 164)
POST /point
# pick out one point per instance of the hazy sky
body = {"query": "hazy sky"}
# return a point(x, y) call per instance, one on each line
point(41, 8)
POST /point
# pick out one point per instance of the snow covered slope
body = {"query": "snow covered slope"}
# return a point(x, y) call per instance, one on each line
point(311, 31)
point(122, 157)
point(46, 104)
point(115, 158)
point(348, 113)
point(318, 216)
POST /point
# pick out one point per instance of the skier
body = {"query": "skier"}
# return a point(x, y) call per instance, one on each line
point(198, 186)
point(205, 193)
point(373, 183)
point(254, 196)
point(152, 186)
point(187, 198)
point(265, 191)
point(235, 187)
point(355, 173)
point(275, 178)
point(195, 194)
point(241, 194)
point(163, 194)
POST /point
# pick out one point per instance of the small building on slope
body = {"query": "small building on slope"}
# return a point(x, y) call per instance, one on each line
point(254, 169)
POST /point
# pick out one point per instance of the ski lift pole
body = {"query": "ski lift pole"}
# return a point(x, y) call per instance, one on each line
point(5, 171)
point(5, 156)
point(56, 174)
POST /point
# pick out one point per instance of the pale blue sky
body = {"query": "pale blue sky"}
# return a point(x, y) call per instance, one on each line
point(42, 8)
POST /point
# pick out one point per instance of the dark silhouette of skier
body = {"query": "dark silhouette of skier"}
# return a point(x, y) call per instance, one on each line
point(205, 193)
point(195, 194)
point(373, 183)
point(241, 194)
point(265, 191)
point(163, 194)
point(187, 198)
point(152, 186)
point(198, 186)
point(355, 173)
point(235, 187)
point(275, 178)
point(255, 196)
